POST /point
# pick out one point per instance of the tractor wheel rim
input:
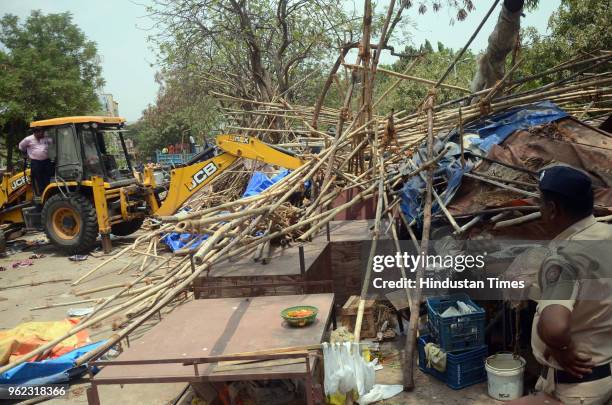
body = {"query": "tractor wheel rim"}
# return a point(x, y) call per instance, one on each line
point(66, 223)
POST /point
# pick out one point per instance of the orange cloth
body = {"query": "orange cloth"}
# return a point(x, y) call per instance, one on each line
point(28, 336)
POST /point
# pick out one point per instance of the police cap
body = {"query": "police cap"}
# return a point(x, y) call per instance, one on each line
point(565, 180)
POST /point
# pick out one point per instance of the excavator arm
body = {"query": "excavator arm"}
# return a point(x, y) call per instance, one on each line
point(186, 181)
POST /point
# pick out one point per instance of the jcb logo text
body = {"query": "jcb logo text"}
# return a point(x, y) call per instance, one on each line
point(202, 174)
point(22, 181)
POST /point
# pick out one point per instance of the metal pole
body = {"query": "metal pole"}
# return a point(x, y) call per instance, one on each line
point(302, 266)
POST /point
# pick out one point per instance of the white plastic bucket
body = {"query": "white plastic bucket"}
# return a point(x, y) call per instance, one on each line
point(505, 376)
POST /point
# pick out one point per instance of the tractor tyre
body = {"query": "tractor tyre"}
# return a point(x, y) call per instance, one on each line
point(71, 223)
point(127, 228)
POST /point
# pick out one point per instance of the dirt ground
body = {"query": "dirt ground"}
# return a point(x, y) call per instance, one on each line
point(428, 390)
point(48, 281)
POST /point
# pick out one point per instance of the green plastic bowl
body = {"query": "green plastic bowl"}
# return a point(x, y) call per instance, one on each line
point(300, 322)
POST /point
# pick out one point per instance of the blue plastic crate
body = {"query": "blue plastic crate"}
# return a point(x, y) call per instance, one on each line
point(462, 368)
point(455, 333)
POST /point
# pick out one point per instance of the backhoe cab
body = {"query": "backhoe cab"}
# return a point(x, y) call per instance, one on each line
point(91, 178)
point(93, 190)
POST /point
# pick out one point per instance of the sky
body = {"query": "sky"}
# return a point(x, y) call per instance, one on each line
point(120, 29)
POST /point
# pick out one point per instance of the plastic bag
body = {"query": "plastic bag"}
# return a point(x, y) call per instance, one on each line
point(346, 374)
point(380, 392)
point(346, 369)
point(364, 371)
point(330, 364)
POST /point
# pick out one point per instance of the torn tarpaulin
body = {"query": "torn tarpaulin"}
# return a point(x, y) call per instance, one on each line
point(260, 181)
point(52, 371)
point(449, 170)
point(494, 129)
point(490, 130)
point(176, 241)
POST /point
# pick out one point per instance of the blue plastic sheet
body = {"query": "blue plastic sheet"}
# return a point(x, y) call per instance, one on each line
point(176, 241)
point(494, 129)
point(52, 371)
point(260, 181)
point(491, 130)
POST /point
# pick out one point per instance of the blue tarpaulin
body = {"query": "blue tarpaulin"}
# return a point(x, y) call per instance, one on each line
point(257, 184)
point(176, 241)
point(260, 181)
point(495, 128)
point(491, 130)
point(52, 371)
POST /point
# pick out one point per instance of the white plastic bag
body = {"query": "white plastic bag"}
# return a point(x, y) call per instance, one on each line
point(364, 371)
point(380, 392)
point(464, 308)
point(339, 374)
point(346, 369)
point(346, 374)
point(330, 366)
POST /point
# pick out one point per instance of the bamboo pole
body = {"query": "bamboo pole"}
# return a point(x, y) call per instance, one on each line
point(517, 221)
point(366, 282)
point(412, 78)
point(104, 263)
point(64, 304)
point(260, 211)
point(118, 254)
point(396, 83)
point(501, 185)
point(416, 303)
point(81, 326)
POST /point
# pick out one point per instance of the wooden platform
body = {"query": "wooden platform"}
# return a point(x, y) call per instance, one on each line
point(337, 260)
point(216, 327)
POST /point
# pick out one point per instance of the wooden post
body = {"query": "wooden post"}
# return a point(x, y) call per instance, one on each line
point(366, 280)
point(461, 139)
point(408, 363)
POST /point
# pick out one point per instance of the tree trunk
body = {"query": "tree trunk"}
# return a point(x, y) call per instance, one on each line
point(330, 78)
point(10, 144)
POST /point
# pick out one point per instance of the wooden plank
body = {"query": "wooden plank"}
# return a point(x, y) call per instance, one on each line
point(349, 312)
point(352, 304)
point(223, 368)
point(215, 327)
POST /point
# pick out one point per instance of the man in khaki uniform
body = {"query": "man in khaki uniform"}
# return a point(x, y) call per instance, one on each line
point(572, 328)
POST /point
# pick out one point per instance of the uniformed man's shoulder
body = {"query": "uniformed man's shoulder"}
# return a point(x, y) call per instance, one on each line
point(597, 231)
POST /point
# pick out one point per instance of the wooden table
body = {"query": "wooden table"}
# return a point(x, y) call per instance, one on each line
point(202, 330)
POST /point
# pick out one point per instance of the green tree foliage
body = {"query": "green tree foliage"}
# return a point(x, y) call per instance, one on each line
point(48, 68)
point(433, 63)
point(182, 108)
point(578, 27)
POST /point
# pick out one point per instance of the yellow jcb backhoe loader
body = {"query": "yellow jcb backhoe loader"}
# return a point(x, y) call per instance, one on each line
point(89, 194)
